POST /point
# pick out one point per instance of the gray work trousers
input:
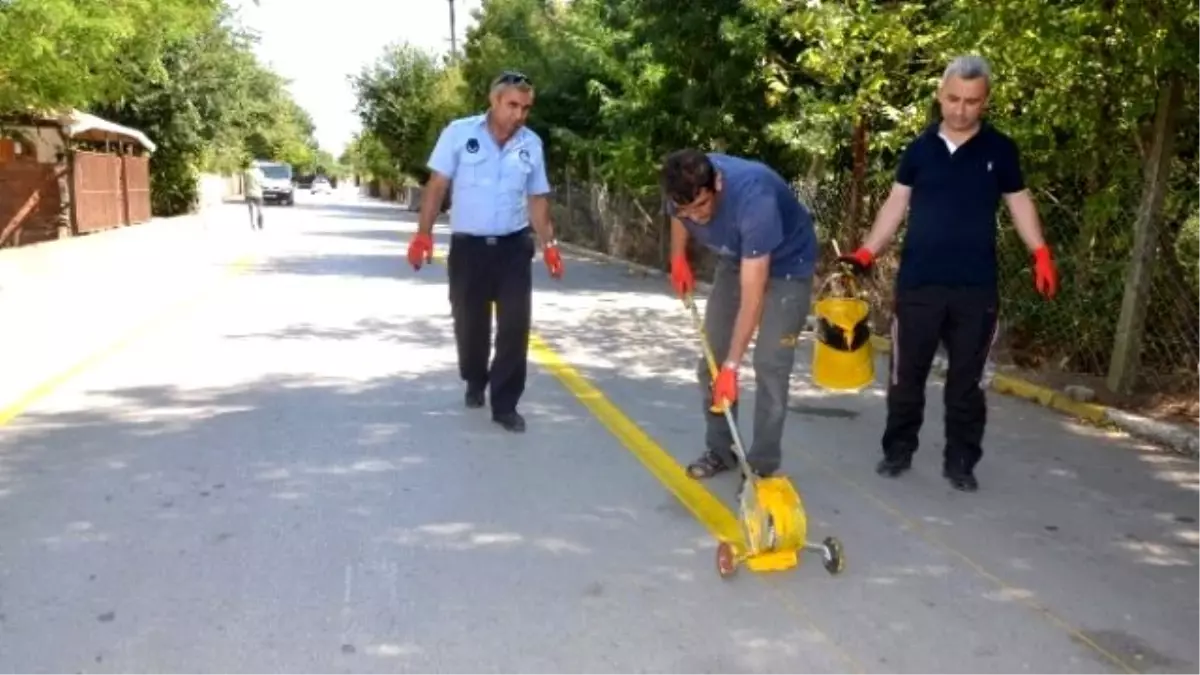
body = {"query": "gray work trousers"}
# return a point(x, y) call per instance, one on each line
point(785, 308)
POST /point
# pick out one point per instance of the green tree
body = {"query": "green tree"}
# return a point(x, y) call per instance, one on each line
point(58, 54)
point(209, 105)
point(398, 102)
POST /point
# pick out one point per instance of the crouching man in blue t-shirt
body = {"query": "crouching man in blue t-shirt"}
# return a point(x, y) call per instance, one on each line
point(766, 249)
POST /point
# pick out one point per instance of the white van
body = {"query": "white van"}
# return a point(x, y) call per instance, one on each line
point(277, 182)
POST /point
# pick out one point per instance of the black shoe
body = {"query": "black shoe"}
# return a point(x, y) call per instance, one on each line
point(963, 481)
point(893, 467)
point(707, 465)
point(473, 398)
point(510, 421)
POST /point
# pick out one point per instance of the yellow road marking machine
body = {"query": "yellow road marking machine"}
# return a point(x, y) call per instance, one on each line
point(774, 524)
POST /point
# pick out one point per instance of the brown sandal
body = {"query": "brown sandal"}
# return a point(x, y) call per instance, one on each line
point(707, 466)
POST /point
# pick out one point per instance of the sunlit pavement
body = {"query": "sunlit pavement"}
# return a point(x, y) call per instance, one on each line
point(282, 478)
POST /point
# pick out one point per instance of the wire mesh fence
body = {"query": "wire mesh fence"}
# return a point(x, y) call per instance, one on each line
point(1070, 340)
point(1073, 338)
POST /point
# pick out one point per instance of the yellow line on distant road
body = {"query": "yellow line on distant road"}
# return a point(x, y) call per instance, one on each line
point(24, 402)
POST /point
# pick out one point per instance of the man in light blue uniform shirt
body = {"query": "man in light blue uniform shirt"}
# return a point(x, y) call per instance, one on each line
point(496, 170)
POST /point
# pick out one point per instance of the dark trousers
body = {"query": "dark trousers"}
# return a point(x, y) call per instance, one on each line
point(964, 320)
point(785, 308)
point(486, 270)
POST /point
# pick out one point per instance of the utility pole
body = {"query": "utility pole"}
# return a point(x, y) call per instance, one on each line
point(453, 34)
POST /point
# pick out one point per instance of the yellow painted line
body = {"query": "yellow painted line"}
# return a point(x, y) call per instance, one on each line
point(47, 387)
point(710, 511)
point(1048, 397)
point(717, 518)
point(707, 509)
point(1044, 396)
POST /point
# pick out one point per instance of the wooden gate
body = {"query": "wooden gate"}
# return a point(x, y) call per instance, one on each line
point(137, 188)
point(99, 192)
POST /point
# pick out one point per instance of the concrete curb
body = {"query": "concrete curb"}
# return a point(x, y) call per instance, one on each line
point(1177, 437)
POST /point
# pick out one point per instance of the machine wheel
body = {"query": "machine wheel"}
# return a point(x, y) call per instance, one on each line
point(834, 556)
point(726, 562)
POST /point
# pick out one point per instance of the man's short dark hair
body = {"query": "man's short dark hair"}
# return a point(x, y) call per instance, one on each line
point(685, 173)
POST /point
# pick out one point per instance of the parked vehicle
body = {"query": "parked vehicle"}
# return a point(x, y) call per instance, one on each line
point(277, 182)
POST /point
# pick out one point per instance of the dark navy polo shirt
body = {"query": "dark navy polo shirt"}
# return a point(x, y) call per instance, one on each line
point(758, 214)
point(951, 234)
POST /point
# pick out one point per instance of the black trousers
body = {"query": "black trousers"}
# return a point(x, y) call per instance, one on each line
point(486, 270)
point(964, 320)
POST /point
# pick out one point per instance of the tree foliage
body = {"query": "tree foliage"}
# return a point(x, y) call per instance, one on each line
point(828, 93)
point(181, 71)
point(403, 99)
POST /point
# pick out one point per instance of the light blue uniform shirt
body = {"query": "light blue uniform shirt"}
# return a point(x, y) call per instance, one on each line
point(490, 186)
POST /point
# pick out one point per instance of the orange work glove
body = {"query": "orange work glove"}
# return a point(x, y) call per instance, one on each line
point(420, 250)
point(553, 261)
point(725, 389)
point(681, 275)
point(1045, 277)
point(860, 260)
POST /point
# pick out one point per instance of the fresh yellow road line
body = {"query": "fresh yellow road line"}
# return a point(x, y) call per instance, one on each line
point(24, 402)
point(709, 510)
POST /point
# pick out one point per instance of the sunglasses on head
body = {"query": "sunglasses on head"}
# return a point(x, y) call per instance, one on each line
point(512, 77)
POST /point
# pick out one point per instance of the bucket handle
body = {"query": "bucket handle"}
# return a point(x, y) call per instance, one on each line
point(857, 290)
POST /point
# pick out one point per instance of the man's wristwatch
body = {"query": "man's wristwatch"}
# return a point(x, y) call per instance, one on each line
point(732, 365)
point(552, 242)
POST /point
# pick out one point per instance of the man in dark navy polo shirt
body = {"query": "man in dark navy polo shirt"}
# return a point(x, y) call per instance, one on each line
point(951, 179)
point(766, 249)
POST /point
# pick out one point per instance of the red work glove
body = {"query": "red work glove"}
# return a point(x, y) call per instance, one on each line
point(725, 389)
point(553, 261)
point(860, 260)
point(681, 275)
point(1045, 277)
point(420, 250)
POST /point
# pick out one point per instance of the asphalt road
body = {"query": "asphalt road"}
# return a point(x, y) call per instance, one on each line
point(273, 472)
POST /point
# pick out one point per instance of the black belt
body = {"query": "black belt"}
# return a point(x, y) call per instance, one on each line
point(490, 239)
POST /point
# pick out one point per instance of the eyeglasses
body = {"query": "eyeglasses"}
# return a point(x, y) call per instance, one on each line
point(512, 77)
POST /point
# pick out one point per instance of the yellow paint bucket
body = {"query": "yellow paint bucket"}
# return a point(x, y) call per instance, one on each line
point(842, 357)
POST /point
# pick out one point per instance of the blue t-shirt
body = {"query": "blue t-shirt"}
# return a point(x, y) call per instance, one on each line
point(757, 213)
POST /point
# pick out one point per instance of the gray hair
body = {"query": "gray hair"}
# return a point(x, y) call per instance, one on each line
point(969, 67)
